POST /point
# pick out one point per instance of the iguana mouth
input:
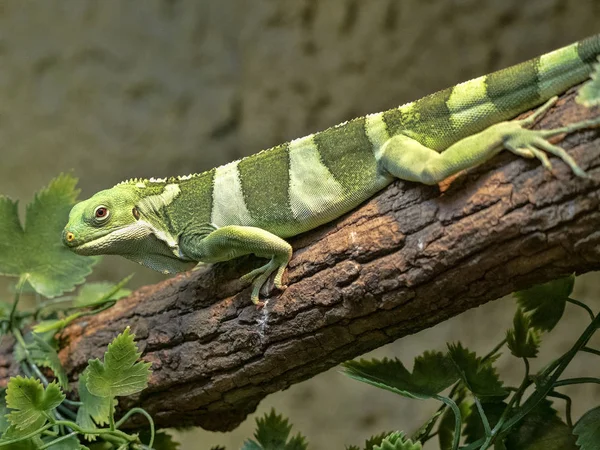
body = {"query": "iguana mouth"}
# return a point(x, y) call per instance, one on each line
point(118, 241)
point(91, 246)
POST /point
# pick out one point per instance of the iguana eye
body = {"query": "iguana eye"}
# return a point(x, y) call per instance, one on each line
point(101, 213)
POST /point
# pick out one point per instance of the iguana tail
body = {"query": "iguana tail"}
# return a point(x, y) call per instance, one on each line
point(443, 118)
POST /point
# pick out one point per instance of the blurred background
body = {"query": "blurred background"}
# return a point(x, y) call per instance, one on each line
point(109, 90)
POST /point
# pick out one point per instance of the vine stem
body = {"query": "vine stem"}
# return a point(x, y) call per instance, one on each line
point(111, 419)
point(581, 380)
point(568, 405)
point(494, 350)
point(593, 351)
point(555, 369)
point(457, 418)
point(582, 305)
point(75, 427)
point(144, 413)
point(456, 386)
point(515, 399)
point(56, 441)
point(13, 311)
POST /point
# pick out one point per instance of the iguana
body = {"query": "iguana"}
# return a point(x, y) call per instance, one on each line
point(253, 204)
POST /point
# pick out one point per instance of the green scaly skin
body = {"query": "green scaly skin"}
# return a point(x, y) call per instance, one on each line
point(251, 205)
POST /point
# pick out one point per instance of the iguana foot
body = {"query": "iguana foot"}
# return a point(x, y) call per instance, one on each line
point(259, 277)
point(527, 143)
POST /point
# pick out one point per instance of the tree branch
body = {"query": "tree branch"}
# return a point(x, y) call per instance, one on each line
point(407, 259)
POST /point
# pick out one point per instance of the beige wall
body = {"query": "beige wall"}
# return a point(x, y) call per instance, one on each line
point(117, 89)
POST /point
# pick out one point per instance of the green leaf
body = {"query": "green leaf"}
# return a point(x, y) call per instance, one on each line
point(120, 374)
point(272, 433)
point(398, 441)
point(162, 440)
point(94, 410)
point(588, 95)
point(523, 340)
point(541, 429)
point(587, 430)
point(31, 402)
point(474, 426)
point(479, 376)
point(96, 407)
point(12, 433)
point(92, 294)
point(432, 373)
point(34, 252)
point(546, 302)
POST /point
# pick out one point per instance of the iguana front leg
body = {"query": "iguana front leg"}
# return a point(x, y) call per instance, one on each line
point(232, 241)
point(405, 158)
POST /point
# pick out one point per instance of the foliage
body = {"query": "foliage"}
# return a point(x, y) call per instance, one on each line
point(34, 412)
point(432, 373)
point(480, 409)
point(272, 433)
point(33, 408)
point(33, 252)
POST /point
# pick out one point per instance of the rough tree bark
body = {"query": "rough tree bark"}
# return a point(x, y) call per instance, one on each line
point(407, 259)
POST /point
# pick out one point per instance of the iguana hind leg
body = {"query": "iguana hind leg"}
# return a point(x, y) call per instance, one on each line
point(405, 158)
point(232, 241)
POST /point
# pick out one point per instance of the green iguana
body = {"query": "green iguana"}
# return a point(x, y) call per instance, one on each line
point(253, 204)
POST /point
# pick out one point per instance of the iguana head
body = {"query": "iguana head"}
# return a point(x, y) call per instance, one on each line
point(104, 223)
point(127, 220)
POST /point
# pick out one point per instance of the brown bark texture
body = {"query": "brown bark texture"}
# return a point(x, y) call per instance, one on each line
point(409, 258)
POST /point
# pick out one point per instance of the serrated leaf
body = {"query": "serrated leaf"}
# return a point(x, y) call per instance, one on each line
point(119, 374)
point(162, 440)
point(272, 433)
point(96, 407)
point(398, 441)
point(523, 340)
point(474, 426)
point(588, 95)
point(546, 302)
point(375, 440)
point(541, 429)
point(30, 402)
point(34, 252)
point(432, 373)
point(479, 376)
point(587, 430)
point(94, 410)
